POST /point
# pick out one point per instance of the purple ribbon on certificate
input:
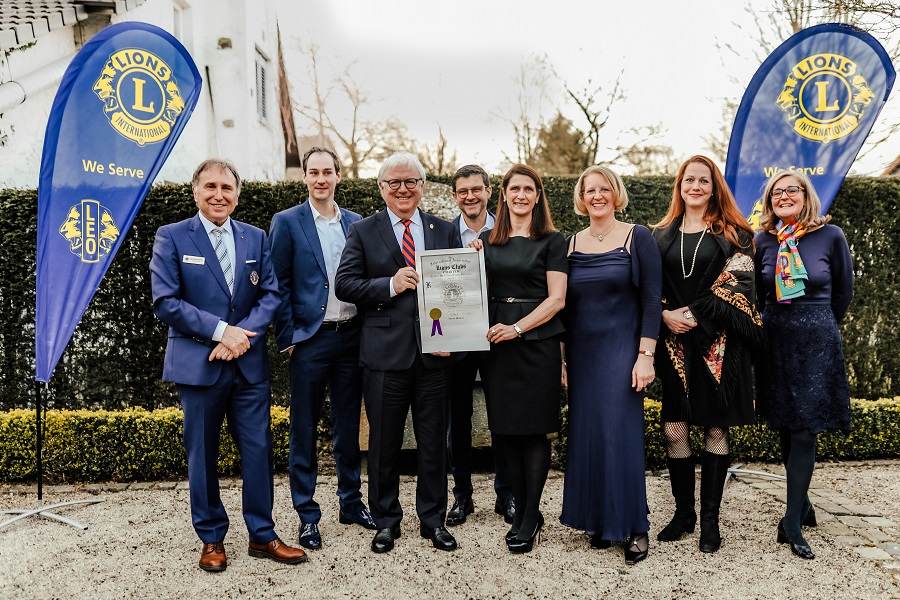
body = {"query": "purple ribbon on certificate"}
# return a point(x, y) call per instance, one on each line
point(435, 314)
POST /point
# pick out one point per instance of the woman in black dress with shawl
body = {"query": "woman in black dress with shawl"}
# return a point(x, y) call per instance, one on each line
point(710, 327)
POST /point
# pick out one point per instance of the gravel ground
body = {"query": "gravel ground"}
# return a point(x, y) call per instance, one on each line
point(140, 544)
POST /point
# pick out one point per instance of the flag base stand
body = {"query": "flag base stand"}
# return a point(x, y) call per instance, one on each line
point(44, 512)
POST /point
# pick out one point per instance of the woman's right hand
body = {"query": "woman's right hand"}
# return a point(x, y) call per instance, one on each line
point(477, 244)
point(676, 320)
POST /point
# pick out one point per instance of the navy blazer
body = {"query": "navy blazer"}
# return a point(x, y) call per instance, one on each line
point(390, 337)
point(192, 298)
point(300, 269)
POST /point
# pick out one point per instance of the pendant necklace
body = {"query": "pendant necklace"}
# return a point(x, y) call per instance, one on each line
point(684, 270)
point(603, 235)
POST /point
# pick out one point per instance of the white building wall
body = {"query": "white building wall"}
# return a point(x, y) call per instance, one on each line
point(225, 125)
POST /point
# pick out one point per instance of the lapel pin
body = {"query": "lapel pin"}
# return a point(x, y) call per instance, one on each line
point(431, 226)
point(254, 278)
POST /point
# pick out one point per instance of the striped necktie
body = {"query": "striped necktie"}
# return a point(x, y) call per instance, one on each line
point(223, 258)
point(408, 247)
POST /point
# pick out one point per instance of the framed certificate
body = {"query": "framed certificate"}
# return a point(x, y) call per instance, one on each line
point(453, 307)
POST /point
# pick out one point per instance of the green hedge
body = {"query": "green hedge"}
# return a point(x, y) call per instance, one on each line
point(115, 358)
point(137, 444)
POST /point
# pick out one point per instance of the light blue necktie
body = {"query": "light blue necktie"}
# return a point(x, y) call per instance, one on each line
point(223, 258)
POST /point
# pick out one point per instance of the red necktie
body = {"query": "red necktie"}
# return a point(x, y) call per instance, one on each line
point(408, 247)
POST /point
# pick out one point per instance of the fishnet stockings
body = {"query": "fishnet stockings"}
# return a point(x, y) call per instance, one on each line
point(678, 441)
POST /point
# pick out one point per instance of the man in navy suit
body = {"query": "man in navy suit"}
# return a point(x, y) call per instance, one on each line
point(471, 190)
point(321, 333)
point(214, 286)
point(377, 273)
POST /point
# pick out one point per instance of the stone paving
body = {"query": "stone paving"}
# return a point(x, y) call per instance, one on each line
point(863, 528)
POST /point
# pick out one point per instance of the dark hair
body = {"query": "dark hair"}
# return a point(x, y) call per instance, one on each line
point(722, 213)
point(221, 163)
point(541, 221)
point(316, 150)
point(468, 171)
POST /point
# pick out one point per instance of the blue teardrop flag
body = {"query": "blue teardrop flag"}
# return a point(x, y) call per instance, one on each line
point(120, 108)
point(809, 107)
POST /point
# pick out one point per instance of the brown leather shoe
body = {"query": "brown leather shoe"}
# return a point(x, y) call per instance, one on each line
point(278, 551)
point(212, 557)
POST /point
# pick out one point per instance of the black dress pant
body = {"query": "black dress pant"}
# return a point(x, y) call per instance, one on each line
point(389, 395)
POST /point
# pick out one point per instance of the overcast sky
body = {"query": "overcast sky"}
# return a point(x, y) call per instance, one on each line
point(453, 64)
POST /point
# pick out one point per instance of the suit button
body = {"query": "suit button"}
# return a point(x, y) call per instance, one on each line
point(323, 308)
point(326, 286)
point(232, 309)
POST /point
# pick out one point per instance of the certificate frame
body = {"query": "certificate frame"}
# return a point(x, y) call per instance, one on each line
point(453, 301)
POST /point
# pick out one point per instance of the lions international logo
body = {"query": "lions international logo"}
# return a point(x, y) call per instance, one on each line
point(140, 96)
point(824, 97)
point(453, 294)
point(90, 230)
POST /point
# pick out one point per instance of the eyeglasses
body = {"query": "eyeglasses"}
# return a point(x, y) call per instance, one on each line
point(475, 191)
point(595, 192)
point(410, 184)
point(791, 191)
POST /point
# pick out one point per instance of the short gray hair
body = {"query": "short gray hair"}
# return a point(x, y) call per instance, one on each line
point(401, 159)
point(221, 163)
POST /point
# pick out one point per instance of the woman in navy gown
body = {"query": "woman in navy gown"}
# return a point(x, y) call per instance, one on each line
point(612, 319)
point(805, 277)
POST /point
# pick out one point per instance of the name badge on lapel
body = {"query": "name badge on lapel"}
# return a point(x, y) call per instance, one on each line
point(193, 260)
point(254, 278)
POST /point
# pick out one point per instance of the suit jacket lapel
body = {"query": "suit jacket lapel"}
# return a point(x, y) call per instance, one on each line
point(428, 230)
point(383, 224)
point(240, 255)
point(204, 245)
point(308, 225)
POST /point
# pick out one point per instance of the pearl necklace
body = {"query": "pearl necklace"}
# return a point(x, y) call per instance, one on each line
point(603, 235)
point(684, 271)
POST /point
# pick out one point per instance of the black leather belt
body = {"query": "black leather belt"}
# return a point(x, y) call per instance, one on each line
point(511, 300)
point(338, 325)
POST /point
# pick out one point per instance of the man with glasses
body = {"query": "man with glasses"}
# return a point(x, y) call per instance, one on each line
point(321, 333)
point(377, 274)
point(471, 190)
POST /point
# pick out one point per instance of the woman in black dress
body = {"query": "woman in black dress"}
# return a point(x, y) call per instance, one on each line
point(526, 265)
point(805, 278)
point(710, 327)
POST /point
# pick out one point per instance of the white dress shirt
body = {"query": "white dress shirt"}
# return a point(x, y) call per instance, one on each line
point(468, 234)
point(332, 240)
point(228, 240)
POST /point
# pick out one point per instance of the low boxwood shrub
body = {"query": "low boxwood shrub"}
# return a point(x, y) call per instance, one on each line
point(137, 444)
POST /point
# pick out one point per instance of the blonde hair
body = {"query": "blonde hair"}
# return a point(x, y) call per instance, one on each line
point(812, 206)
point(615, 184)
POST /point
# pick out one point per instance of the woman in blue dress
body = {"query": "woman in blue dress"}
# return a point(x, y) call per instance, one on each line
point(805, 277)
point(612, 319)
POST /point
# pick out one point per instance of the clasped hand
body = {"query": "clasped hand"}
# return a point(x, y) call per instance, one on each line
point(677, 322)
point(235, 342)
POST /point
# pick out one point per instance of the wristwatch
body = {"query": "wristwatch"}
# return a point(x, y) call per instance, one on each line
point(518, 329)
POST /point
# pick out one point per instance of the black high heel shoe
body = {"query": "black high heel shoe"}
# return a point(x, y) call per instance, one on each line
point(809, 516)
point(801, 550)
point(520, 546)
point(598, 543)
point(633, 552)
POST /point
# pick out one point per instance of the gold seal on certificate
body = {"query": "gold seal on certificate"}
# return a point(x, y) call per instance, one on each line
point(453, 309)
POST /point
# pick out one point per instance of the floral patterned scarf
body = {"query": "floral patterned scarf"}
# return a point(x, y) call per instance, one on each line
point(789, 269)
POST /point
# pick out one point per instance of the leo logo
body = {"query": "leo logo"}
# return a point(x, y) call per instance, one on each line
point(824, 97)
point(755, 215)
point(90, 230)
point(140, 96)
